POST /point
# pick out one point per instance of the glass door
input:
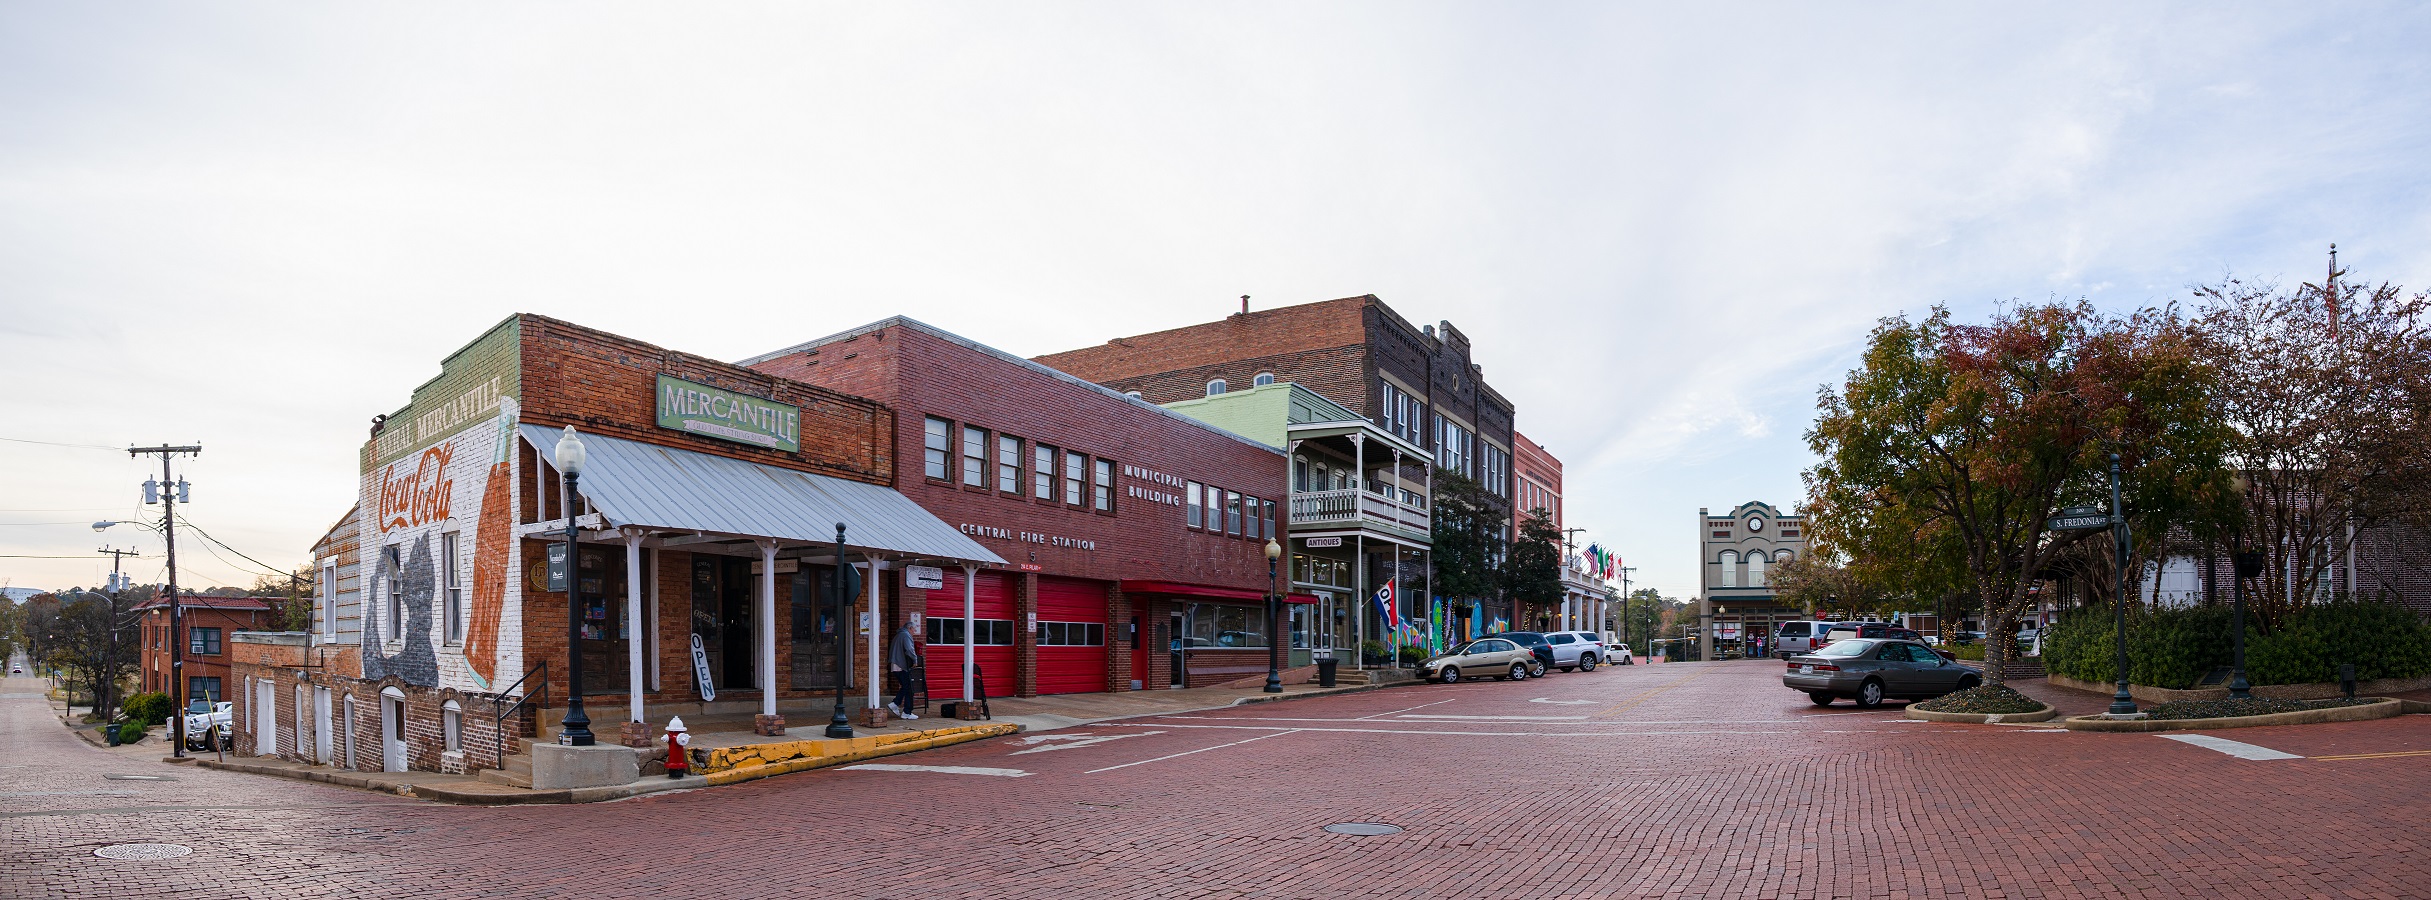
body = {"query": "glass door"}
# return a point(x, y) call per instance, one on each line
point(599, 596)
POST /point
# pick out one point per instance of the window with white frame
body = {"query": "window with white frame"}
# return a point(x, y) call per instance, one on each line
point(1730, 569)
point(1103, 486)
point(1198, 511)
point(1215, 387)
point(938, 448)
point(392, 566)
point(1076, 476)
point(329, 599)
point(1494, 470)
point(1755, 570)
point(974, 457)
point(1263, 379)
point(1398, 412)
point(1008, 464)
point(1042, 471)
point(1454, 445)
point(453, 587)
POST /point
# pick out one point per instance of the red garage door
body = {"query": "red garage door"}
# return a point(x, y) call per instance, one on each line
point(1071, 636)
point(992, 633)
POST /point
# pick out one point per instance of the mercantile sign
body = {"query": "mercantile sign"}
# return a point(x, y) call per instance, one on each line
point(726, 415)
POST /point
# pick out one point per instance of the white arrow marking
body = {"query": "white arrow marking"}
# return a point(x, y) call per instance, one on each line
point(949, 770)
point(1069, 741)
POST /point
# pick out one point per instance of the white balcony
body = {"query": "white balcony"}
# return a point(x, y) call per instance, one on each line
point(1356, 508)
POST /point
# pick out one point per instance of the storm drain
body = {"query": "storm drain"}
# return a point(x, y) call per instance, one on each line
point(1364, 829)
point(143, 851)
point(139, 778)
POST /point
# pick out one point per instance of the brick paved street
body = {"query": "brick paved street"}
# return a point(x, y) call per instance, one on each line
point(1686, 780)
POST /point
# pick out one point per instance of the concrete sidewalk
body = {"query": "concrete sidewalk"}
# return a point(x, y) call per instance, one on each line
point(733, 755)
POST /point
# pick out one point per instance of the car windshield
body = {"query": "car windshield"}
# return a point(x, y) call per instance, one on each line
point(1846, 648)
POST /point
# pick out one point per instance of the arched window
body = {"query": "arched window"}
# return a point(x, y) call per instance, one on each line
point(1730, 569)
point(1215, 387)
point(1132, 394)
point(451, 724)
point(1263, 379)
point(1755, 569)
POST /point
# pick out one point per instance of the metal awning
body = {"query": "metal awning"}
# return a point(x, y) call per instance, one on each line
point(633, 483)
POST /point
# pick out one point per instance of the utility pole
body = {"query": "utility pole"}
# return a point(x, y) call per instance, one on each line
point(103, 707)
point(169, 491)
point(1624, 629)
point(1569, 547)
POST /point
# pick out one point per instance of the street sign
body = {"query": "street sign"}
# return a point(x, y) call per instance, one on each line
point(2081, 511)
point(2078, 522)
point(927, 578)
point(557, 567)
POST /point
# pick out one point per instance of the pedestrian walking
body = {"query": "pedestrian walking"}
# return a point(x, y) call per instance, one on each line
point(902, 660)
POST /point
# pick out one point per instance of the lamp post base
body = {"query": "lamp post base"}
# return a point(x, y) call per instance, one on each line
point(1274, 682)
point(840, 725)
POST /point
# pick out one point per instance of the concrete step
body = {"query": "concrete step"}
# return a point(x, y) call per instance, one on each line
point(511, 779)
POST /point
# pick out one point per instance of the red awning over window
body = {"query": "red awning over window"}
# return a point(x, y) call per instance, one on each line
point(1206, 592)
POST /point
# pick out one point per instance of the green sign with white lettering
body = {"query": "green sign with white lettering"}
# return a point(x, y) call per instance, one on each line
point(726, 415)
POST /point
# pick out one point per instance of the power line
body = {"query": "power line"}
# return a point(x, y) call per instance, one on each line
point(207, 536)
point(58, 444)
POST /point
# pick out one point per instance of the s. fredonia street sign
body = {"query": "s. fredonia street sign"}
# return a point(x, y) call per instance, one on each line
point(2079, 518)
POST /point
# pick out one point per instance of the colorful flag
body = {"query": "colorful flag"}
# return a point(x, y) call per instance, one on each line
point(1386, 599)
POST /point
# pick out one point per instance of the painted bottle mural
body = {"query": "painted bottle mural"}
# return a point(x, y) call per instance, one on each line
point(490, 554)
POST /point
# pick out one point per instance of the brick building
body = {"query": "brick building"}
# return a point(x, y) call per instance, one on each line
point(1417, 383)
point(1536, 483)
point(211, 623)
point(706, 509)
point(1735, 549)
point(1137, 536)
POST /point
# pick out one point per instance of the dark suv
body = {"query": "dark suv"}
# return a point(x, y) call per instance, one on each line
point(1535, 643)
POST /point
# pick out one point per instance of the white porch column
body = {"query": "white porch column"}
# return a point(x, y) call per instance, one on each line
point(877, 623)
point(970, 602)
point(633, 620)
point(766, 621)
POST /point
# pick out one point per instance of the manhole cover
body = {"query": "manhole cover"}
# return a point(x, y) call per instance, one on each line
point(139, 778)
point(1369, 829)
point(143, 851)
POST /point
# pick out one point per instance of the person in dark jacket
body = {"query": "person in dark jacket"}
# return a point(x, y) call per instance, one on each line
point(902, 658)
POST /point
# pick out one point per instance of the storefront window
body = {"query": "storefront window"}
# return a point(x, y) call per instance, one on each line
point(1216, 626)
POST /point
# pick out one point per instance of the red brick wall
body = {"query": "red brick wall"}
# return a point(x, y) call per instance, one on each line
point(155, 636)
point(921, 374)
point(1255, 335)
point(604, 383)
point(1531, 462)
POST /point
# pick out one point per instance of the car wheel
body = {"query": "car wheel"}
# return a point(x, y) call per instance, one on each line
point(1519, 671)
point(1820, 698)
point(1449, 675)
point(1968, 682)
point(1586, 663)
point(1869, 694)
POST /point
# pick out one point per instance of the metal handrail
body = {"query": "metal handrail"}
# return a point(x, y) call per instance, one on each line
point(498, 722)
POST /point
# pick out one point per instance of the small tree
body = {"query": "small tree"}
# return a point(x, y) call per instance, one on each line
point(1532, 571)
point(1468, 538)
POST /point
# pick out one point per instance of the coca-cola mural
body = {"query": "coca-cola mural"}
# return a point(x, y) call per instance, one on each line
point(422, 496)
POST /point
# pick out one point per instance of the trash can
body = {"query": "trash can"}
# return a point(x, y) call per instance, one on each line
point(1325, 669)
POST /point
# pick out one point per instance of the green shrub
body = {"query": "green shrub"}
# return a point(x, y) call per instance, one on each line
point(130, 732)
point(1411, 656)
point(1970, 652)
point(1373, 652)
point(2175, 648)
point(150, 709)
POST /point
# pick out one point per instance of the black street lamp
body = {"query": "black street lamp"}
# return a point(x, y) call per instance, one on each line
point(2122, 704)
point(1274, 623)
point(577, 730)
point(840, 725)
point(2243, 564)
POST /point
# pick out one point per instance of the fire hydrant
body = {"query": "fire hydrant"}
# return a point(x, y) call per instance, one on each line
point(677, 740)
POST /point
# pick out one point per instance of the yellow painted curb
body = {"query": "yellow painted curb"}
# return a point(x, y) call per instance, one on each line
point(857, 749)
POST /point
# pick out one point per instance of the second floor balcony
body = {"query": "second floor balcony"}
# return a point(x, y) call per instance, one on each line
point(1405, 512)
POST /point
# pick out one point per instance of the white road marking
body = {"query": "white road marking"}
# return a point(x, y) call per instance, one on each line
point(1383, 714)
point(949, 770)
point(1281, 729)
point(1188, 752)
point(1069, 741)
point(1438, 717)
point(2238, 749)
point(1562, 702)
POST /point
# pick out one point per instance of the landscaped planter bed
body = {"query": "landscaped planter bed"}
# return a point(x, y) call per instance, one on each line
point(1985, 705)
point(2145, 693)
point(2376, 708)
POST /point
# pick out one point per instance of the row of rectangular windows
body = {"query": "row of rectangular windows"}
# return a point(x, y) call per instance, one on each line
point(1084, 481)
point(1240, 515)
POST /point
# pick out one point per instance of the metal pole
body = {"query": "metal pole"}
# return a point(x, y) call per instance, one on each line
point(2121, 703)
point(2241, 563)
point(840, 725)
point(1274, 635)
point(576, 730)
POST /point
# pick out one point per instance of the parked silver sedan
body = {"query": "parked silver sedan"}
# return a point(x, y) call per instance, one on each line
point(1870, 670)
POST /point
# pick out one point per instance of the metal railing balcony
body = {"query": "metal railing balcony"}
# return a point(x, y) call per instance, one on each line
point(1353, 507)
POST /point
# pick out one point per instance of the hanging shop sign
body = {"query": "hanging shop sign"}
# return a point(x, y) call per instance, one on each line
point(927, 578)
point(556, 579)
point(700, 670)
point(784, 566)
point(726, 415)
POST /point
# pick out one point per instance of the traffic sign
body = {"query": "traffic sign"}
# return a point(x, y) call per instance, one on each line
point(2078, 522)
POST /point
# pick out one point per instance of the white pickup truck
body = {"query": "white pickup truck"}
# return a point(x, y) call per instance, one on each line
point(199, 725)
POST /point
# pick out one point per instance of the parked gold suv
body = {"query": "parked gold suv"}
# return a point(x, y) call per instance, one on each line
point(1487, 656)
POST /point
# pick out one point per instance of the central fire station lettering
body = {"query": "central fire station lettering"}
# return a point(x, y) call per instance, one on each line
point(1027, 537)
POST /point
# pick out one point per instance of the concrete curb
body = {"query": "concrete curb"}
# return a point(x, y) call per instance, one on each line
point(2383, 708)
point(801, 764)
point(1303, 695)
point(2313, 691)
point(2042, 715)
point(363, 780)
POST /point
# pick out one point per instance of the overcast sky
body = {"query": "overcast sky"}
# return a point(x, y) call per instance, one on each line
point(255, 227)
